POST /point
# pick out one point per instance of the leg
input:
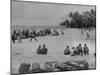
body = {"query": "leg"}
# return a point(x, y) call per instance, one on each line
point(35, 38)
point(81, 52)
point(84, 53)
point(87, 52)
point(13, 40)
point(31, 39)
point(78, 52)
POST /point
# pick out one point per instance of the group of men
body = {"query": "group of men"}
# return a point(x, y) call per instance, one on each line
point(32, 34)
point(42, 50)
point(19, 35)
point(77, 51)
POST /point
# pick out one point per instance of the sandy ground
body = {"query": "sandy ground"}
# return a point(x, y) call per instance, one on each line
point(26, 51)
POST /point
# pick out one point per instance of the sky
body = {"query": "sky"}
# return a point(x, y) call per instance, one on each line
point(42, 14)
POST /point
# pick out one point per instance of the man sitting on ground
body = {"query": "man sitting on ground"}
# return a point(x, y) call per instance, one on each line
point(79, 49)
point(39, 50)
point(67, 51)
point(74, 51)
point(44, 50)
point(86, 49)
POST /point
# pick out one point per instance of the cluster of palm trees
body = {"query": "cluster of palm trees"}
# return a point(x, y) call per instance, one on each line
point(86, 19)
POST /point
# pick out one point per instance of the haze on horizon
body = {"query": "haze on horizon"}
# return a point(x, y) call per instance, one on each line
point(42, 14)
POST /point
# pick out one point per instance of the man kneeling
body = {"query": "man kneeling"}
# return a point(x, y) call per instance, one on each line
point(74, 52)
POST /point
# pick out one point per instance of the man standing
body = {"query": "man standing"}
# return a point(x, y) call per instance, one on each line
point(14, 36)
point(33, 35)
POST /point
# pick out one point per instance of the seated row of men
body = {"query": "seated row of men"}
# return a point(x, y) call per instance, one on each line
point(77, 51)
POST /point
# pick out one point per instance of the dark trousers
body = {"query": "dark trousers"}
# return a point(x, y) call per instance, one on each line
point(34, 38)
point(80, 52)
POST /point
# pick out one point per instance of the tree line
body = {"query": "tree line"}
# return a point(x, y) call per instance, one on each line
point(85, 19)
